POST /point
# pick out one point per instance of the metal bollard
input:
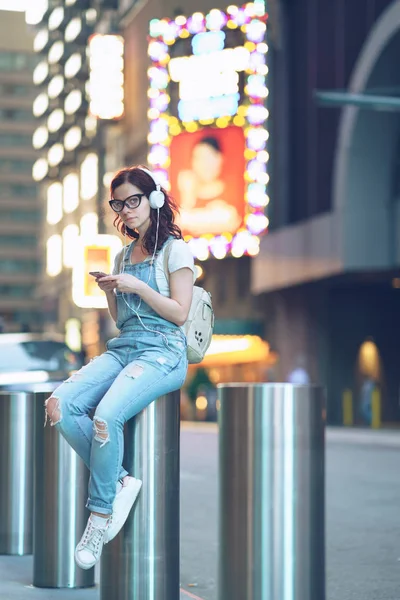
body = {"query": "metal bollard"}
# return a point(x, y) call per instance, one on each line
point(272, 540)
point(16, 496)
point(60, 494)
point(142, 562)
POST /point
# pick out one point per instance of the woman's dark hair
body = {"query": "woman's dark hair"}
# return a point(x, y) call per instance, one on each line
point(167, 226)
point(210, 141)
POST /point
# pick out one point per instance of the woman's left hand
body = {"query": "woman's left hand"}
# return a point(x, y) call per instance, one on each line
point(128, 284)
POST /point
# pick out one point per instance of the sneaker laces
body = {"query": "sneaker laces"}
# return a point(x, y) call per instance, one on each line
point(92, 538)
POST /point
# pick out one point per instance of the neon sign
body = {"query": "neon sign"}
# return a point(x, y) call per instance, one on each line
point(208, 73)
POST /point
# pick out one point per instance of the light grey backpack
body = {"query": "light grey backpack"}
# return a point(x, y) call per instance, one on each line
point(200, 322)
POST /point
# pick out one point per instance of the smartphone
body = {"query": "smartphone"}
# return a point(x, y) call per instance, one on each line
point(97, 274)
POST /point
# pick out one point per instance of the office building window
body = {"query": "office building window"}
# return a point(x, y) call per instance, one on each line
point(20, 90)
point(21, 215)
point(16, 114)
point(19, 266)
point(14, 139)
point(15, 166)
point(17, 61)
point(20, 241)
point(16, 291)
point(23, 191)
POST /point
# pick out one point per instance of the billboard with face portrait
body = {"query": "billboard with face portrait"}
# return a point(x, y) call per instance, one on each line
point(208, 125)
point(206, 176)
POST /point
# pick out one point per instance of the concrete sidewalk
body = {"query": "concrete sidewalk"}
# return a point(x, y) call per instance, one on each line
point(362, 538)
point(198, 531)
point(387, 438)
point(16, 577)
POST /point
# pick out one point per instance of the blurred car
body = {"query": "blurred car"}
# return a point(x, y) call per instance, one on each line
point(28, 361)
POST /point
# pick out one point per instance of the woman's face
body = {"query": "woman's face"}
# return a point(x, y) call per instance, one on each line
point(206, 162)
point(134, 218)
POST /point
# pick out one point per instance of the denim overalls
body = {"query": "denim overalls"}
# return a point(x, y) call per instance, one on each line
point(138, 367)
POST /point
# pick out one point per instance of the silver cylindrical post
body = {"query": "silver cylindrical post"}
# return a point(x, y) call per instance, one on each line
point(60, 494)
point(16, 497)
point(272, 542)
point(142, 562)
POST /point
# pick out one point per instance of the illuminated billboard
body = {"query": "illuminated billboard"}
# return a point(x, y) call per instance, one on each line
point(208, 135)
point(206, 177)
point(106, 79)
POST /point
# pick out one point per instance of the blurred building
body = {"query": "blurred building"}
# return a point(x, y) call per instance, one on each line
point(327, 274)
point(82, 137)
point(70, 149)
point(20, 214)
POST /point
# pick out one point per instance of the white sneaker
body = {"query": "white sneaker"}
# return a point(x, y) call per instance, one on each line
point(123, 503)
point(88, 551)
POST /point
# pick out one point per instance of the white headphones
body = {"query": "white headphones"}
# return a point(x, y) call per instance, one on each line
point(156, 201)
point(156, 198)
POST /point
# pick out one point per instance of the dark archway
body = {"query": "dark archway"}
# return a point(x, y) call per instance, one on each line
point(367, 152)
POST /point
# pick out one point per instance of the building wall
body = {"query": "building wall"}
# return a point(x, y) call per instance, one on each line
point(358, 313)
point(228, 281)
point(324, 40)
point(20, 214)
point(295, 321)
point(322, 328)
point(324, 274)
point(360, 230)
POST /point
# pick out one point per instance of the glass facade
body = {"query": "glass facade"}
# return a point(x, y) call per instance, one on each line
point(16, 291)
point(18, 190)
point(16, 165)
point(16, 114)
point(26, 216)
point(27, 190)
point(11, 89)
point(322, 42)
point(17, 61)
point(19, 266)
point(9, 140)
point(21, 241)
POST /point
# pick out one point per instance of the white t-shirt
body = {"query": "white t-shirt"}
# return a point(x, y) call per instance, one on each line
point(180, 257)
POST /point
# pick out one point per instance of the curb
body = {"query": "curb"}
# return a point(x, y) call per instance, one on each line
point(385, 438)
point(363, 437)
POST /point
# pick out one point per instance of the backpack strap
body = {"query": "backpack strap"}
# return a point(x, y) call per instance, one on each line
point(167, 252)
point(122, 257)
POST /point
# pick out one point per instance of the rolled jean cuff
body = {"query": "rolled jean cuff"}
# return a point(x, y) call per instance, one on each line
point(99, 507)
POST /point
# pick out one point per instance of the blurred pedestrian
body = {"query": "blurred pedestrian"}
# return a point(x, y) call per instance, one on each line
point(146, 360)
point(299, 374)
point(367, 389)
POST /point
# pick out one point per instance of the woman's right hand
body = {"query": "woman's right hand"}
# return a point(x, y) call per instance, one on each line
point(106, 286)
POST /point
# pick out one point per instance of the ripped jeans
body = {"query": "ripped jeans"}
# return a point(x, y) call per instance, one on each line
point(137, 368)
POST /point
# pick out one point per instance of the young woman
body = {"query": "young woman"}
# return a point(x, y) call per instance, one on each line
point(146, 360)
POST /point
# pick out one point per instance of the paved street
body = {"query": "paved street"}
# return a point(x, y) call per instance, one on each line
point(363, 521)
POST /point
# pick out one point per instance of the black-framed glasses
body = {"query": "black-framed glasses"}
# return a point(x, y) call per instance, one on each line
point(131, 202)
